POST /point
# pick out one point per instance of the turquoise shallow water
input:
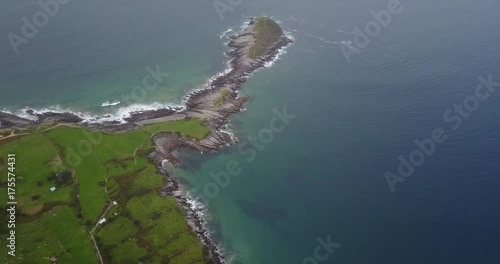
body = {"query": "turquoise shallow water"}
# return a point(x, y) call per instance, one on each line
point(322, 176)
point(94, 51)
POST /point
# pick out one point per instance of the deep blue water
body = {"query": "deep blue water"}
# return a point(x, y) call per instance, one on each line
point(323, 174)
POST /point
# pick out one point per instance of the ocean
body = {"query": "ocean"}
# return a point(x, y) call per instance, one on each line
point(315, 190)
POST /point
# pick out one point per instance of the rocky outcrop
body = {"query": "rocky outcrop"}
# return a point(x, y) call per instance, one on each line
point(48, 117)
point(8, 120)
point(214, 103)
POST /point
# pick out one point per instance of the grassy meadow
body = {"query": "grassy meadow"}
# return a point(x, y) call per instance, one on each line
point(90, 171)
point(267, 32)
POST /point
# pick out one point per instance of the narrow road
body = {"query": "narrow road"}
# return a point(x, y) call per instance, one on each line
point(102, 216)
point(91, 234)
point(96, 248)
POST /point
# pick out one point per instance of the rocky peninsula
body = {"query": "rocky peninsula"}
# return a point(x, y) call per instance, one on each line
point(260, 42)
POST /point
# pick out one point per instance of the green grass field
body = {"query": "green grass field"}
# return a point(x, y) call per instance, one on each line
point(91, 170)
point(223, 98)
point(267, 32)
point(54, 233)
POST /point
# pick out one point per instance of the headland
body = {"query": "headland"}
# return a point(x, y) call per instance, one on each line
point(199, 125)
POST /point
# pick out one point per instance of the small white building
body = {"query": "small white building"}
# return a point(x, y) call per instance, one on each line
point(114, 203)
point(52, 189)
point(102, 221)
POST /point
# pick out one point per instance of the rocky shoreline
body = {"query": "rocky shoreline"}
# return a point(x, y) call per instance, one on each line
point(214, 103)
point(193, 215)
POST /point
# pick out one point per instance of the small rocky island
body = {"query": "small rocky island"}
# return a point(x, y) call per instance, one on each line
point(260, 42)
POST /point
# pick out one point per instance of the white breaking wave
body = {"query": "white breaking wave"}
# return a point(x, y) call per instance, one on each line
point(53, 108)
point(276, 58)
point(206, 86)
point(197, 206)
point(126, 111)
point(108, 103)
point(245, 23)
point(116, 116)
point(281, 51)
point(227, 131)
point(194, 203)
point(225, 33)
point(20, 113)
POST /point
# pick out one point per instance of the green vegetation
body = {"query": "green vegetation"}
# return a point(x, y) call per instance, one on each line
point(190, 127)
point(119, 229)
point(223, 98)
point(128, 252)
point(91, 170)
point(144, 208)
point(54, 233)
point(267, 32)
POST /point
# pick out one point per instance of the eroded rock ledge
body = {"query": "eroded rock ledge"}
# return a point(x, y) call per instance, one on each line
point(214, 103)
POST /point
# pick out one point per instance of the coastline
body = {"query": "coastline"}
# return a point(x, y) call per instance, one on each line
point(194, 215)
point(214, 102)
